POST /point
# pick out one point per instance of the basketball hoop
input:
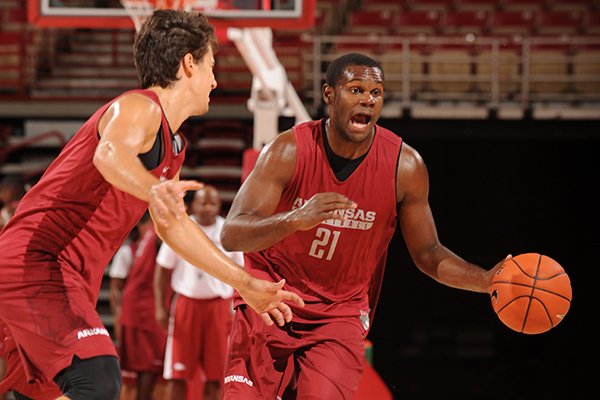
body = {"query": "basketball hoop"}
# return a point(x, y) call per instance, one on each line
point(140, 10)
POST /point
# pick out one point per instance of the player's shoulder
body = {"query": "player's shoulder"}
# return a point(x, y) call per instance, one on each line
point(410, 160)
point(282, 145)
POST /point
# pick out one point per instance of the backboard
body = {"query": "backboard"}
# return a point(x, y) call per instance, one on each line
point(278, 14)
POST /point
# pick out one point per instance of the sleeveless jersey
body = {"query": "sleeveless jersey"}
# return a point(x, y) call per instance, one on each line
point(70, 224)
point(337, 266)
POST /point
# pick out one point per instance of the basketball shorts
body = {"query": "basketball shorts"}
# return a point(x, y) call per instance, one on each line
point(142, 350)
point(16, 379)
point(50, 323)
point(198, 337)
point(327, 358)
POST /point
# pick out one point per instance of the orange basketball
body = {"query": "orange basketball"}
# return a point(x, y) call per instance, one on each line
point(531, 293)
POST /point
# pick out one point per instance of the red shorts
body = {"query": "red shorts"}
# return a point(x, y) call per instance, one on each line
point(198, 337)
point(51, 322)
point(15, 378)
point(142, 350)
point(328, 358)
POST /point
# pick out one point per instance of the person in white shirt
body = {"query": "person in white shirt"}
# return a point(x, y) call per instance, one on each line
point(201, 313)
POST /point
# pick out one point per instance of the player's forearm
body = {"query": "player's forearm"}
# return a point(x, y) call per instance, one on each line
point(249, 233)
point(449, 269)
point(122, 169)
point(186, 239)
point(161, 284)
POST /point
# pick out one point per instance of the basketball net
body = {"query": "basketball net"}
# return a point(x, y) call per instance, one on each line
point(140, 10)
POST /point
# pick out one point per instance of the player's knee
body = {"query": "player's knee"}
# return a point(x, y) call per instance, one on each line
point(97, 378)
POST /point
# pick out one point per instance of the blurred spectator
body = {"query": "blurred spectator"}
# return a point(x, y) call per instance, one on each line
point(12, 188)
point(201, 311)
point(141, 340)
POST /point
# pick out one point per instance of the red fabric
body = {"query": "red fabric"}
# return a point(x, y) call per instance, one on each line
point(248, 160)
point(142, 350)
point(198, 337)
point(332, 265)
point(55, 250)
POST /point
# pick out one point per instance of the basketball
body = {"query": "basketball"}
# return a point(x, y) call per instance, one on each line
point(531, 293)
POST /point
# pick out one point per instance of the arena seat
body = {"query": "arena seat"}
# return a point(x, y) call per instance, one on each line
point(586, 69)
point(512, 22)
point(450, 68)
point(559, 22)
point(417, 22)
point(382, 5)
point(367, 21)
point(522, 5)
point(569, 5)
point(393, 64)
point(548, 66)
point(508, 71)
point(475, 5)
point(460, 22)
point(429, 5)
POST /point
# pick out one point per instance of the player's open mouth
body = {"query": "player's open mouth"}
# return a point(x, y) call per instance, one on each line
point(360, 121)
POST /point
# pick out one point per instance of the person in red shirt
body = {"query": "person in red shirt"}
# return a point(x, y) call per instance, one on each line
point(142, 340)
point(319, 209)
point(125, 159)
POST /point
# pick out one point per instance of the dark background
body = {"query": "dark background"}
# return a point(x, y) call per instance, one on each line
point(497, 188)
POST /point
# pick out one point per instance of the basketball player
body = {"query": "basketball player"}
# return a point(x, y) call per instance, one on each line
point(125, 159)
point(142, 344)
point(201, 314)
point(319, 209)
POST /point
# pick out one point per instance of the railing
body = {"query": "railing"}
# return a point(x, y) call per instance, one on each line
point(486, 71)
point(37, 168)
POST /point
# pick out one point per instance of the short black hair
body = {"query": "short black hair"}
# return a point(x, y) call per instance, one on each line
point(337, 66)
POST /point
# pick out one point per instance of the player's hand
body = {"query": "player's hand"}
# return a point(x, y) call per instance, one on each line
point(162, 317)
point(492, 272)
point(321, 207)
point(165, 199)
point(269, 300)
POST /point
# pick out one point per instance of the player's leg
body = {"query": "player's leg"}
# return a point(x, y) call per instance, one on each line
point(183, 347)
point(330, 368)
point(256, 359)
point(145, 385)
point(93, 378)
point(216, 318)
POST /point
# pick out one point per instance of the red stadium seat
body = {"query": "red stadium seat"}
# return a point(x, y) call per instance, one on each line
point(523, 5)
point(569, 5)
point(459, 22)
point(475, 5)
point(512, 22)
point(559, 22)
point(591, 23)
point(429, 5)
point(365, 21)
point(389, 5)
point(415, 22)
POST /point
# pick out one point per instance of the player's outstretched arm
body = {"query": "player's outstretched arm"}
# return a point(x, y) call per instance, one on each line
point(251, 224)
point(420, 234)
point(186, 239)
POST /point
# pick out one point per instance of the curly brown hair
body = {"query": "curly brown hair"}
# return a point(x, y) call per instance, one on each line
point(164, 39)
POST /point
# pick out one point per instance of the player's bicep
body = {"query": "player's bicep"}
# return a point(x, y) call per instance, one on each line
point(129, 125)
point(414, 213)
point(261, 191)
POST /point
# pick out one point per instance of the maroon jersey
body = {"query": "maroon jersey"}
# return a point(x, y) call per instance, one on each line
point(137, 306)
point(337, 266)
point(54, 251)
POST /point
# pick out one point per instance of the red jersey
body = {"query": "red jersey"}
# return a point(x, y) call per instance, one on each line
point(137, 306)
point(54, 250)
point(73, 216)
point(337, 266)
